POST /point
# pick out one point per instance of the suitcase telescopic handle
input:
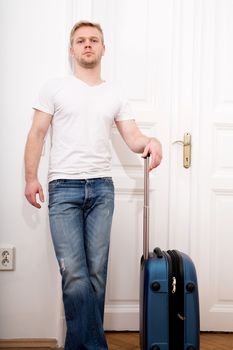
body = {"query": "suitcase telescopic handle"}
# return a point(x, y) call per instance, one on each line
point(146, 209)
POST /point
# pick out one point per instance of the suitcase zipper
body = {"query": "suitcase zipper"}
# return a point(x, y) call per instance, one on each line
point(171, 288)
point(173, 285)
point(177, 301)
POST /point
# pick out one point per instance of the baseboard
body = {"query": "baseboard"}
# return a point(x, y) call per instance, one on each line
point(28, 343)
point(124, 317)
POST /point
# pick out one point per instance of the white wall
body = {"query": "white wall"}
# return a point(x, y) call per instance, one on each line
point(33, 48)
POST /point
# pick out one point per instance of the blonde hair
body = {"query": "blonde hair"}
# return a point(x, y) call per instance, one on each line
point(85, 24)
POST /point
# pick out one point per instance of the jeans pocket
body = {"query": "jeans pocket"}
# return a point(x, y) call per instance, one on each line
point(108, 180)
point(53, 184)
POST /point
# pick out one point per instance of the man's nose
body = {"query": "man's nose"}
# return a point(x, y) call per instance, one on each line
point(87, 43)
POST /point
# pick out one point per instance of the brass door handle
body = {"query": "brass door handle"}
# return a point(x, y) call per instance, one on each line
point(186, 149)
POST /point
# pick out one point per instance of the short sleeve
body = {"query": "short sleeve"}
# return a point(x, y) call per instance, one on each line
point(44, 100)
point(124, 112)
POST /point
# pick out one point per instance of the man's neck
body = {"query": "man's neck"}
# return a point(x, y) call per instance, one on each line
point(89, 76)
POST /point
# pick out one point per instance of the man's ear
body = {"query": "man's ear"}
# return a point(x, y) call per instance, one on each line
point(103, 50)
point(71, 51)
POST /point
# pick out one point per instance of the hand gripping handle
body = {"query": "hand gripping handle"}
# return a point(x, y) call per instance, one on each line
point(146, 209)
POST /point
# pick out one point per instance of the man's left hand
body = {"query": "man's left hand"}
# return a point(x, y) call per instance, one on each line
point(153, 148)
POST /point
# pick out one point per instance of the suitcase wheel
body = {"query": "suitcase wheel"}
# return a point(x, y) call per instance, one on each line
point(155, 347)
point(190, 287)
point(155, 286)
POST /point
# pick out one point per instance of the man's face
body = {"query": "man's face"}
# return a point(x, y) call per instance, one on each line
point(87, 48)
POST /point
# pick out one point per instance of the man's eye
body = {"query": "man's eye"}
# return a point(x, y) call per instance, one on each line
point(94, 40)
point(79, 41)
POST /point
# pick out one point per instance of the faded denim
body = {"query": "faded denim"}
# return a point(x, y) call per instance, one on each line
point(80, 213)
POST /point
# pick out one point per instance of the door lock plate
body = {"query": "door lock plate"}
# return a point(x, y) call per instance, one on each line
point(186, 149)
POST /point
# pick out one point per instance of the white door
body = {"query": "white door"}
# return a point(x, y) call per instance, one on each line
point(214, 168)
point(174, 60)
point(201, 199)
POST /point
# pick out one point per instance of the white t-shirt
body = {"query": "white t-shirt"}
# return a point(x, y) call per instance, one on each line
point(80, 130)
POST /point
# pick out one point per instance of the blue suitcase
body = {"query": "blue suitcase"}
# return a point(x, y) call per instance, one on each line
point(169, 304)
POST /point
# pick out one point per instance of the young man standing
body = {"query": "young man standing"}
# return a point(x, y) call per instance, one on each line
point(80, 109)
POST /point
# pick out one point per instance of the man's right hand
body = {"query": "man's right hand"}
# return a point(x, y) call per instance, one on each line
point(32, 189)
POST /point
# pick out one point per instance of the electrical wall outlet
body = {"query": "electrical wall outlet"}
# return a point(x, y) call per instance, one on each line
point(7, 258)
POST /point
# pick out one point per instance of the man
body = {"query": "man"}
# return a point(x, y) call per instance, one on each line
point(80, 109)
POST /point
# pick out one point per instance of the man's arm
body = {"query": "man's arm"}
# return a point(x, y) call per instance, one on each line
point(33, 149)
point(140, 143)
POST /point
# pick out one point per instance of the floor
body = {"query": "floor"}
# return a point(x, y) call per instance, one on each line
point(130, 341)
point(209, 341)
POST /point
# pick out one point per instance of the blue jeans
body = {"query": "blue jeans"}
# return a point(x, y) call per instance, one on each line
point(80, 213)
